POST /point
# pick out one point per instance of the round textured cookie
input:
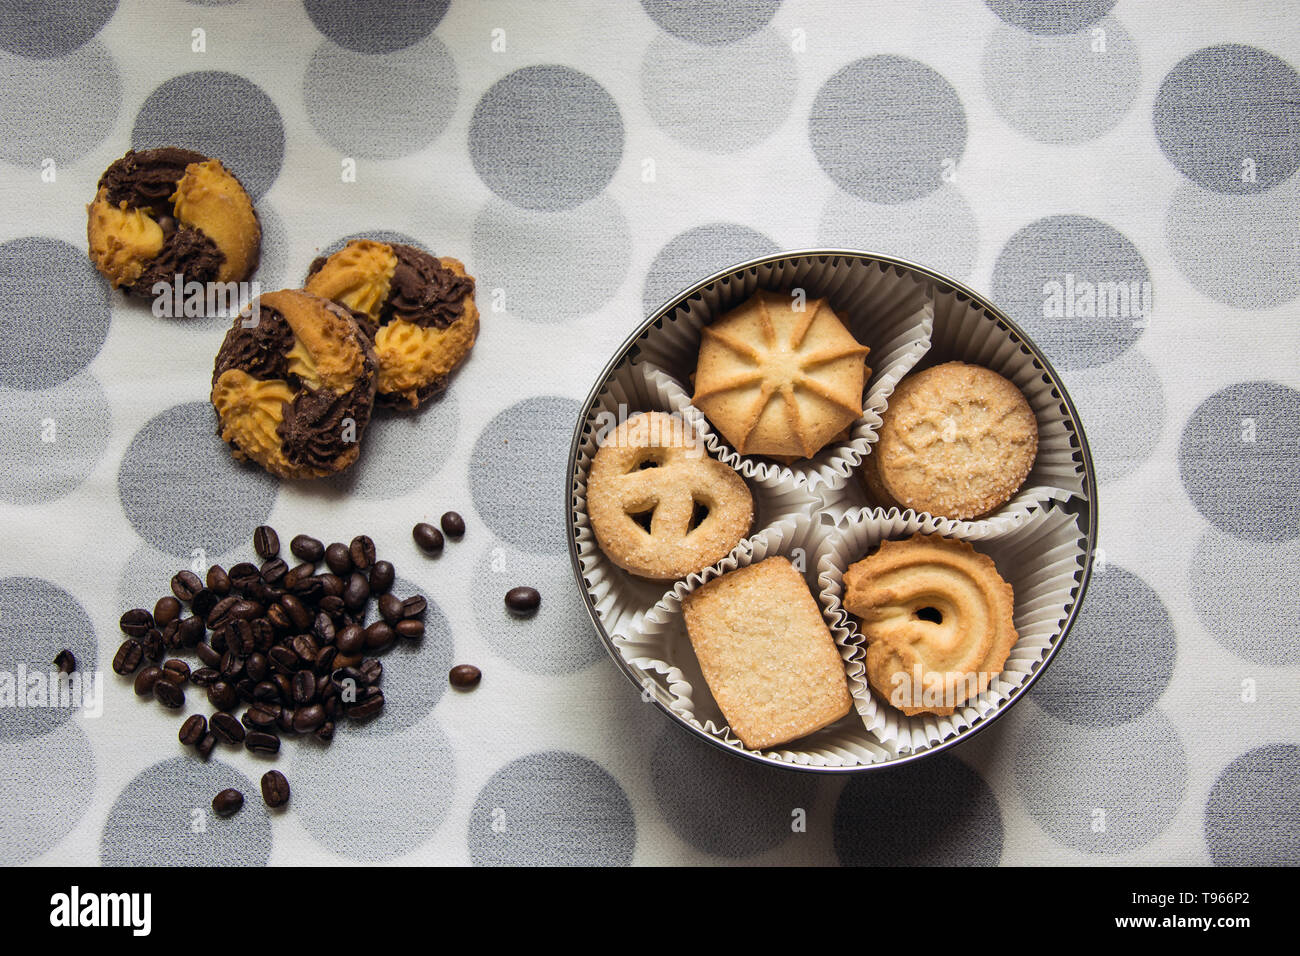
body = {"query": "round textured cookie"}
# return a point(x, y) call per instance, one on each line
point(937, 618)
point(956, 441)
point(163, 212)
point(294, 385)
point(418, 308)
point(660, 507)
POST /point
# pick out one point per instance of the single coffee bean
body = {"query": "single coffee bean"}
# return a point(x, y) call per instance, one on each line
point(154, 645)
point(323, 629)
point(324, 662)
point(166, 610)
point(239, 638)
point(244, 688)
point(332, 587)
point(145, 678)
point(207, 654)
point(339, 559)
point(189, 631)
point(128, 657)
point(221, 613)
point(247, 610)
point(223, 696)
point(379, 635)
point(305, 648)
point(304, 687)
point(193, 730)
point(186, 584)
point(260, 717)
point(333, 708)
point(350, 639)
point(65, 662)
point(300, 578)
point(263, 634)
point(381, 577)
point(257, 667)
point(357, 592)
point(273, 571)
point(232, 665)
point(227, 728)
point(465, 676)
point(279, 618)
point(206, 745)
point(523, 600)
point(176, 671)
point(205, 676)
point(411, 629)
point(136, 622)
point(284, 722)
point(298, 614)
point(204, 602)
point(265, 691)
point(218, 581)
point(228, 802)
point(390, 608)
point(283, 659)
point(169, 694)
point(325, 731)
point(285, 686)
point(266, 542)
point(275, 789)
point(171, 634)
point(453, 525)
point(243, 575)
point(414, 606)
point(427, 538)
point(366, 708)
point(372, 671)
point(307, 548)
point(261, 742)
point(310, 589)
point(362, 552)
point(306, 719)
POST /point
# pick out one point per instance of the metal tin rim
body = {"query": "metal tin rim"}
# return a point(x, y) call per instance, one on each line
point(1090, 488)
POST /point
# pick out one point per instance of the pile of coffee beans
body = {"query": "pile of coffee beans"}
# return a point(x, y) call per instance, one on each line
point(286, 644)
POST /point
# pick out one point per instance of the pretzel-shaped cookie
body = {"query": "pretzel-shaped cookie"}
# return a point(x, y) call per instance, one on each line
point(660, 507)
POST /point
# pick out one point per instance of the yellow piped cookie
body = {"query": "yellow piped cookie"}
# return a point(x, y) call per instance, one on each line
point(121, 240)
point(212, 201)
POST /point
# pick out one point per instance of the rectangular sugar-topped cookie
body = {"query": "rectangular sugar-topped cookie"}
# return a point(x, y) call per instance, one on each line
point(766, 653)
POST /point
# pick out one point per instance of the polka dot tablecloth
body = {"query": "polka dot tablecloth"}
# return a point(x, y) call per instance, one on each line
point(587, 160)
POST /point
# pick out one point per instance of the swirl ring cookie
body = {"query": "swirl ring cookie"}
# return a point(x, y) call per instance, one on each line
point(294, 385)
point(956, 441)
point(937, 618)
point(163, 212)
point(418, 308)
point(660, 507)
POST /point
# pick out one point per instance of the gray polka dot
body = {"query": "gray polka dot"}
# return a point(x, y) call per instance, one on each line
point(933, 812)
point(1051, 16)
point(1252, 817)
point(402, 450)
point(371, 798)
point(517, 473)
point(1122, 405)
point(1237, 459)
point(938, 230)
point(220, 115)
point(570, 643)
point(552, 809)
point(272, 270)
point(353, 23)
point(1234, 587)
point(37, 620)
point(1229, 118)
point(697, 253)
point(724, 806)
point(551, 267)
point(1077, 286)
point(1122, 640)
point(721, 100)
point(711, 21)
point(1100, 789)
point(51, 440)
point(57, 109)
point(546, 137)
point(885, 127)
point(380, 107)
point(1239, 250)
point(164, 818)
point(52, 28)
point(1062, 89)
point(44, 792)
point(181, 490)
point(49, 292)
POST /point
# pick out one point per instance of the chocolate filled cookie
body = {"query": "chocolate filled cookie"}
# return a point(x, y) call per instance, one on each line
point(294, 385)
point(168, 211)
point(418, 308)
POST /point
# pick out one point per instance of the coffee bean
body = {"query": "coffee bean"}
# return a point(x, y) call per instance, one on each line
point(366, 708)
point(247, 610)
point(273, 571)
point(136, 622)
point(261, 716)
point(523, 600)
point(244, 687)
point(300, 578)
point(206, 745)
point(378, 636)
point(381, 577)
point(332, 587)
point(186, 584)
point(207, 654)
point(306, 719)
point(171, 634)
point(176, 671)
point(350, 640)
point(221, 613)
point(275, 788)
point(412, 629)
point(65, 662)
point(372, 671)
point(145, 678)
point(263, 635)
point(465, 676)
point(227, 728)
point(428, 538)
point(285, 686)
point(324, 662)
point(193, 730)
point(297, 612)
point(189, 631)
point(166, 610)
point(261, 742)
point(283, 659)
point(323, 629)
point(257, 667)
point(228, 802)
point(168, 694)
point(304, 687)
point(305, 648)
point(453, 525)
point(128, 657)
point(218, 581)
point(205, 676)
point(223, 696)
point(357, 592)
point(307, 548)
point(362, 552)
point(232, 665)
point(414, 606)
point(266, 542)
point(154, 645)
point(204, 602)
point(390, 608)
point(325, 731)
point(243, 575)
point(339, 559)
